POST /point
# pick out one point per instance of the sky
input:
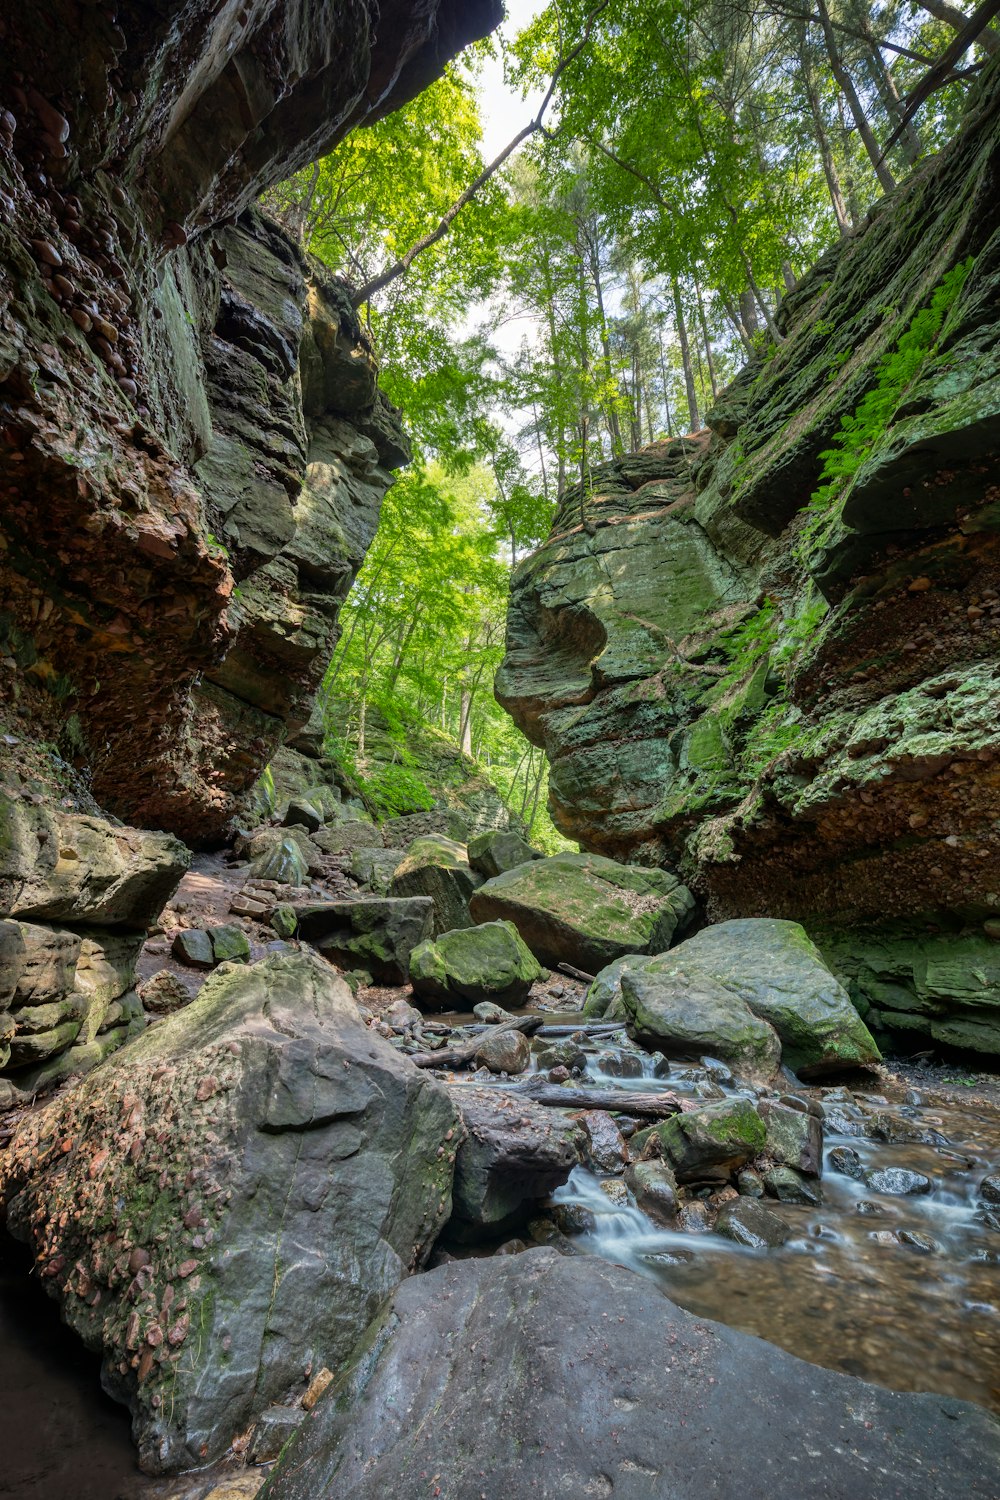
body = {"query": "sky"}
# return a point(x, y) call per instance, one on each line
point(504, 112)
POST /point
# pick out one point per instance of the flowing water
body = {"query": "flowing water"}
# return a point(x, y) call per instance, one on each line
point(845, 1290)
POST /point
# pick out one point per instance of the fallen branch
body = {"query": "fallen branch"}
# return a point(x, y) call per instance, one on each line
point(623, 1101)
point(575, 973)
point(463, 1052)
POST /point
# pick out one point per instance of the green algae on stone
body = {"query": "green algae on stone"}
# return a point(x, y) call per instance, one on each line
point(488, 962)
point(586, 910)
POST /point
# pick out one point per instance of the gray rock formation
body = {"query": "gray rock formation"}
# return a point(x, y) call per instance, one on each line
point(467, 1379)
point(187, 1203)
point(796, 701)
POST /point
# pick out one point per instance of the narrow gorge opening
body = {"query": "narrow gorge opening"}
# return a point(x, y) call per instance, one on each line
point(499, 796)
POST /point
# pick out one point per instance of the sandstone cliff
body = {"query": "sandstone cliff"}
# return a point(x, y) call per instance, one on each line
point(797, 698)
point(193, 452)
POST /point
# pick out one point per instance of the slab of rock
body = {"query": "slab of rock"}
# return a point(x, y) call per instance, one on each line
point(69, 867)
point(474, 964)
point(772, 968)
point(377, 934)
point(749, 1223)
point(499, 850)
point(445, 822)
point(355, 833)
point(229, 1199)
point(193, 946)
point(301, 812)
point(515, 1153)
point(668, 1005)
point(438, 867)
point(613, 1391)
point(584, 909)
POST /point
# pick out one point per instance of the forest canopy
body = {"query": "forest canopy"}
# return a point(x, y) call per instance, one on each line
point(595, 293)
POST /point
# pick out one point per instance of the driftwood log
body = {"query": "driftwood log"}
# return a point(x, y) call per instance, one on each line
point(463, 1052)
point(624, 1101)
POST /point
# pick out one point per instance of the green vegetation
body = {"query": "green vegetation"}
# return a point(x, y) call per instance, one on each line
point(863, 429)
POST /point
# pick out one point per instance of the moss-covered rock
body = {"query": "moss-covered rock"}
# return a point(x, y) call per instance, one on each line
point(376, 934)
point(438, 867)
point(773, 969)
point(668, 1005)
point(498, 850)
point(472, 964)
point(586, 910)
point(710, 1144)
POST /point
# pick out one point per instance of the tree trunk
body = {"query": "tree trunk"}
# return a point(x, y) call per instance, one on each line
point(465, 722)
point(666, 389)
point(682, 338)
point(708, 342)
point(822, 138)
point(956, 19)
point(909, 141)
point(843, 77)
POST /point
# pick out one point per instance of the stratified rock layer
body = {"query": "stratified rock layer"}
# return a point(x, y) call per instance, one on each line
point(541, 1374)
point(194, 446)
point(225, 1204)
point(796, 704)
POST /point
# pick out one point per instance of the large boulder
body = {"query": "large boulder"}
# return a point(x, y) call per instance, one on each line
point(498, 850)
point(225, 1204)
point(69, 867)
point(514, 1154)
point(584, 909)
point(489, 962)
point(613, 1391)
point(343, 838)
point(772, 969)
point(438, 867)
point(378, 934)
point(667, 1006)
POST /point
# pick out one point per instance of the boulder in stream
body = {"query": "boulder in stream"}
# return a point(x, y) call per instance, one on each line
point(667, 1005)
point(543, 1374)
point(771, 969)
point(515, 1153)
point(228, 1200)
point(586, 910)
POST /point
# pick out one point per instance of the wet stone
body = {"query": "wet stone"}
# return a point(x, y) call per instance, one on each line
point(718, 1071)
point(898, 1182)
point(788, 1186)
point(921, 1242)
point(749, 1223)
point(846, 1160)
point(619, 1064)
point(989, 1188)
point(749, 1183)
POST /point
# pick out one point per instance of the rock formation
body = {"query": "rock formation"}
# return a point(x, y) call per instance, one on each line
point(193, 446)
point(787, 686)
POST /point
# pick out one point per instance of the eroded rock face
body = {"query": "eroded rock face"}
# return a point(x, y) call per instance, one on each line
point(188, 406)
point(225, 1203)
point(466, 1376)
point(799, 707)
point(76, 895)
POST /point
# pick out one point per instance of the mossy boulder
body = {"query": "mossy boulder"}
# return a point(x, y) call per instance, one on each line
point(710, 1144)
point(772, 968)
point(283, 855)
point(353, 833)
point(668, 1006)
point(438, 867)
point(498, 850)
point(378, 933)
point(586, 910)
point(472, 964)
point(374, 868)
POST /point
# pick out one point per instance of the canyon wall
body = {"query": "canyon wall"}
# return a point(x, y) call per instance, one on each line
point(794, 699)
point(193, 447)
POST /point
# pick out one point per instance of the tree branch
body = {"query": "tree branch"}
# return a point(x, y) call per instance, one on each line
point(401, 266)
